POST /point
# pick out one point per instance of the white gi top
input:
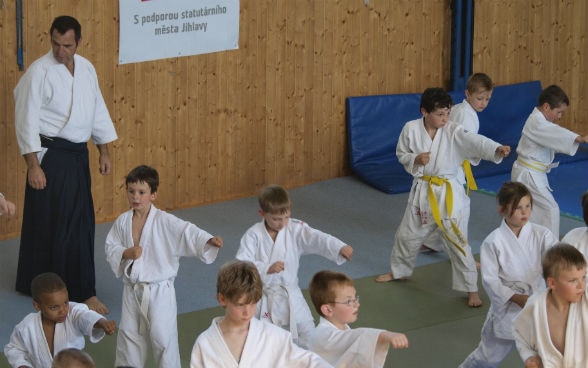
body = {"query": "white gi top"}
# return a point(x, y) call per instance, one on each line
point(531, 332)
point(28, 345)
point(293, 241)
point(266, 346)
point(165, 238)
point(357, 347)
point(51, 101)
point(512, 265)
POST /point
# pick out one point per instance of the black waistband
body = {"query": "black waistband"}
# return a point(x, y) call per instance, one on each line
point(62, 144)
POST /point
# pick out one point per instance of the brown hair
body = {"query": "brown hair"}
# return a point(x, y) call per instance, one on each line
point(46, 283)
point(511, 193)
point(322, 287)
point(479, 81)
point(561, 257)
point(274, 199)
point(237, 278)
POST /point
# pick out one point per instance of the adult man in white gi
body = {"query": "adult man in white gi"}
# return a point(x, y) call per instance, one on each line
point(59, 107)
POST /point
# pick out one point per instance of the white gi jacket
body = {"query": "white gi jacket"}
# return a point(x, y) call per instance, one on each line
point(51, 101)
point(357, 347)
point(266, 346)
point(293, 241)
point(28, 345)
point(512, 265)
point(531, 332)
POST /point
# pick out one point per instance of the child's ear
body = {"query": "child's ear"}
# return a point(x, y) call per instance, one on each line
point(261, 213)
point(221, 300)
point(326, 310)
point(153, 196)
point(550, 281)
point(36, 305)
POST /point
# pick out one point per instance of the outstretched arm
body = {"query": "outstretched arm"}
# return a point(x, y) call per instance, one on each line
point(396, 339)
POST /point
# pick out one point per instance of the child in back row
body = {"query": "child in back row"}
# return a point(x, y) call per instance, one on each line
point(511, 271)
point(59, 324)
point(144, 246)
point(238, 339)
point(432, 149)
point(275, 246)
point(335, 300)
point(478, 93)
point(551, 330)
point(540, 139)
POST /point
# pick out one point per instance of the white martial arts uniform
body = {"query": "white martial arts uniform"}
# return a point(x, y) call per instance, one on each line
point(510, 265)
point(44, 105)
point(462, 114)
point(149, 307)
point(532, 336)
point(450, 146)
point(282, 301)
point(28, 345)
point(539, 142)
point(356, 347)
point(578, 237)
point(266, 346)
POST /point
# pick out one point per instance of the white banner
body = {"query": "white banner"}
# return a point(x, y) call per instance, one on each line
point(159, 29)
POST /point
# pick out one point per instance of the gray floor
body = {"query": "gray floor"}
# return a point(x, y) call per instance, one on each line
point(345, 207)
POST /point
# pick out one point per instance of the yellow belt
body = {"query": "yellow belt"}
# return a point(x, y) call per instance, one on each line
point(435, 180)
point(535, 165)
point(470, 181)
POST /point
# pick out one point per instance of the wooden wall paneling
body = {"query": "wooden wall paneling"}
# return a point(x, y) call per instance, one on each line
point(11, 164)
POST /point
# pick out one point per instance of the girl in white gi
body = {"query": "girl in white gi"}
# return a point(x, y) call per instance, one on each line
point(511, 272)
point(551, 330)
point(540, 140)
point(477, 96)
point(432, 149)
point(578, 237)
point(144, 246)
point(335, 300)
point(238, 339)
point(59, 324)
point(275, 246)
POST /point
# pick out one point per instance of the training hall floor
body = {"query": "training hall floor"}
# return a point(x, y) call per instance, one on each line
point(441, 329)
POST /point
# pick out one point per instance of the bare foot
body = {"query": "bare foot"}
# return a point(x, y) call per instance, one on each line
point(474, 300)
point(385, 277)
point(96, 305)
point(478, 266)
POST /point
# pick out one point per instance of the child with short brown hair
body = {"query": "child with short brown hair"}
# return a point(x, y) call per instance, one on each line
point(335, 300)
point(551, 330)
point(238, 339)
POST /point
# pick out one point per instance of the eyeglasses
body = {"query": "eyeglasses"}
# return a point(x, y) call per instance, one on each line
point(349, 302)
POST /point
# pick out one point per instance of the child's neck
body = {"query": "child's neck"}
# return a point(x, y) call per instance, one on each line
point(272, 233)
point(340, 325)
point(557, 304)
point(49, 332)
point(429, 129)
point(142, 213)
point(235, 335)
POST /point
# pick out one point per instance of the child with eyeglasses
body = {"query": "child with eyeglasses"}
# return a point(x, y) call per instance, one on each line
point(335, 300)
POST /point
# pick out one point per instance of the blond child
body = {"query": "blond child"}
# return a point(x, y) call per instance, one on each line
point(551, 330)
point(275, 245)
point(335, 300)
point(541, 139)
point(238, 339)
point(58, 324)
point(144, 247)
